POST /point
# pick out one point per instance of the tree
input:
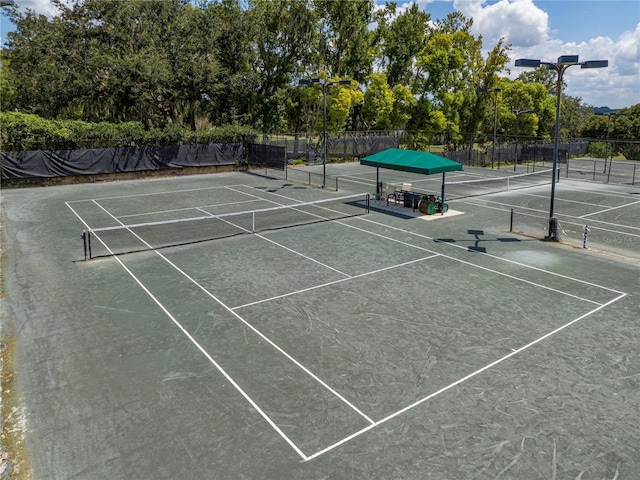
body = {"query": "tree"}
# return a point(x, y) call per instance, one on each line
point(284, 36)
point(403, 104)
point(345, 49)
point(402, 40)
point(624, 125)
point(544, 76)
point(235, 101)
point(378, 102)
point(453, 68)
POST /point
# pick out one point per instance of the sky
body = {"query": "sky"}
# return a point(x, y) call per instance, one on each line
point(538, 29)
point(547, 29)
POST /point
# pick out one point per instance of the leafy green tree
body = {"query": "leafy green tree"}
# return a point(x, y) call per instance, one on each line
point(345, 45)
point(572, 115)
point(403, 39)
point(378, 102)
point(196, 72)
point(544, 76)
point(624, 125)
point(453, 67)
point(7, 86)
point(284, 36)
point(235, 100)
point(403, 104)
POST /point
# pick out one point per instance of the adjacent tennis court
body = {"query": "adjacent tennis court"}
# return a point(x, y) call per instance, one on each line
point(242, 326)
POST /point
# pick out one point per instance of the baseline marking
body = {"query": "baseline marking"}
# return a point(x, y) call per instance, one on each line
point(609, 209)
point(335, 282)
point(470, 263)
point(255, 330)
point(201, 349)
point(183, 209)
point(458, 382)
point(149, 194)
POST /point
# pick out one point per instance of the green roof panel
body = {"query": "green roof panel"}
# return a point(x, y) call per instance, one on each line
point(411, 161)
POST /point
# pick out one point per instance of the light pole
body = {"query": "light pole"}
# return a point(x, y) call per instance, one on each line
point(563, 63)
point(517, 113)
point(325, 84)
point(495, 117)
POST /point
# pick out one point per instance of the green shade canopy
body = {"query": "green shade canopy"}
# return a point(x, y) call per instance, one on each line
point(411, 161)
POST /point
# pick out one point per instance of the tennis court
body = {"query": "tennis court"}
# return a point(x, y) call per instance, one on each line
point(226, 327)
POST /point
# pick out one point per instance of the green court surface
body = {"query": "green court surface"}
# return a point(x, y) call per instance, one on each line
point(380, 345)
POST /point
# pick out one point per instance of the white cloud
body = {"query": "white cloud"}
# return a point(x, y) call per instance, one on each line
point(526, 27)
point(629, 46)
point(520, 22)
point(44, 7)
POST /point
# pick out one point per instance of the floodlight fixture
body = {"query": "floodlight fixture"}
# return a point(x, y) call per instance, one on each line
point(525, 62)
point(595, 64)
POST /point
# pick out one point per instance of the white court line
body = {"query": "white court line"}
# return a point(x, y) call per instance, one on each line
point(558, 198)
point(458, 382)
point(470, 263)
point(334, 282)
point(579, 186)
point(609, 209)
point(150, 193)
point(255, 330)
point(374, 424)
point(609, 224)
point(184, 209)
point(201, 348)
point(279, 245)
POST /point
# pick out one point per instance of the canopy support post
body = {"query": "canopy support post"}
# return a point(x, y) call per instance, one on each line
point(378, 189)
point(442, 194)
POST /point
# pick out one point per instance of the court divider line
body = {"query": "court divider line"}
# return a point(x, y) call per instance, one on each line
point(464, 261)
point(183, 209)
point(275, 243)
point(560, 215)
point(415, 404)
point(150, 193)
point(609, 209)
point(201, 348)
point(546, 197)
point(408, 232)
point(254, 329)
point(308, 289)
point(458, 382)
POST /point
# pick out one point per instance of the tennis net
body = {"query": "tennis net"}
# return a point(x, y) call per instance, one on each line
point(482, 186)
point(121, 239)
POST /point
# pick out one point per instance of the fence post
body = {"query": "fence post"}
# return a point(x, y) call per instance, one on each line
point(511, 222)
point(584, 237)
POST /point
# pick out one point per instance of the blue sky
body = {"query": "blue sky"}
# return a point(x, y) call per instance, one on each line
point(547, 29)
point(544, 29)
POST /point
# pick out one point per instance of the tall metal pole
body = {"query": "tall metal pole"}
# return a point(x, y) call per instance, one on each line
point(564, 62)
point(556, 143)
point(324, 134)
point(495, 123)
point(515, 163)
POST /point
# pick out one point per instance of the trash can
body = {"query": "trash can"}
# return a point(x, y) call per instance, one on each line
point(411, 200)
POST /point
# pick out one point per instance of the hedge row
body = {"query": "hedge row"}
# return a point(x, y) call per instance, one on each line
point(20, 131)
